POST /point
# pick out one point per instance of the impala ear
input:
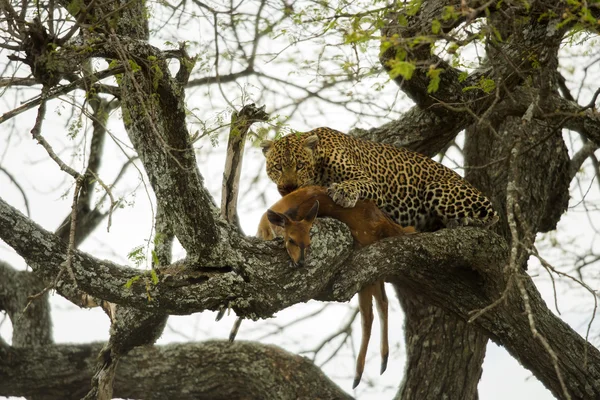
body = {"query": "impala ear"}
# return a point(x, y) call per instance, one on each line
point(311, 142)
point(277, 219)
point(312, 213)
point(266, 145)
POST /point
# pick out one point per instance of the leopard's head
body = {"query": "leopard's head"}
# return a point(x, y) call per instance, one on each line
point(291, 161)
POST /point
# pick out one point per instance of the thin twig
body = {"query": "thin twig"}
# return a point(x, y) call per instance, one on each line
point(71, 248)
point(344, 329)
point(51, 94)
point(478, 313)
point(550, 268)
point(113, 203)
point(36, 133)
point(592, 102)
point(19, 188)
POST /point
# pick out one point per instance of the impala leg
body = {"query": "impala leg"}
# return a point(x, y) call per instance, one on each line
point(381, 301)
point(365, 306)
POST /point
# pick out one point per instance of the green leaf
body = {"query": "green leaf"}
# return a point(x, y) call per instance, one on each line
point(155, 260)
point(154, 276)
point(403, 68)
point(487, 85)
point(449, 13)
point(497, 34)
point(413, 7)
point(402, 21)
point(75, 6)
point(131, 281)
point(436, 26)
point(434, 79)
point(463, 76)
point(134, 66)
point(136, 255)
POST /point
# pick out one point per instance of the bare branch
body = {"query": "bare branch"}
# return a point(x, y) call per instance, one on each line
point(240, 124)
point(83, 83)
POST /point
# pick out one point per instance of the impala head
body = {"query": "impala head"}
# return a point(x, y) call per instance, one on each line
point(296, 233)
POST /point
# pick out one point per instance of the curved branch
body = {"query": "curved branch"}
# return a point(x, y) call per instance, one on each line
point(247, 272)
point(468, 282)
point(210, 370)
point(155, 119)
point(459, 103)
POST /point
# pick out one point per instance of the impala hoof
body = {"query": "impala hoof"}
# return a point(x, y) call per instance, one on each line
point(384, 360)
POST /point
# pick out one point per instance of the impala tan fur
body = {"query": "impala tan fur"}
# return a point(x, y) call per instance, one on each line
point(293, 216)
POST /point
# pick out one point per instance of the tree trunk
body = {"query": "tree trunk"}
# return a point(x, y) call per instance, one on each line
point(443, 352)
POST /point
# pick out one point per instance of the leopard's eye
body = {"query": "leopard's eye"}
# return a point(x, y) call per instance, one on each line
point(277, 167)
point(299, 166)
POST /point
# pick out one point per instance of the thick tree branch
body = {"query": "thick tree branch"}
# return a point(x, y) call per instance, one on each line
point(31, 321)
point(154, 115)
point(420, 130)
point(457, 104)
point(210, 370)
point(555, 110)
point(460, 270)
point(467, 282)
point(579, 158)
point(405, 47)
point(424, 131)
point(246, 272)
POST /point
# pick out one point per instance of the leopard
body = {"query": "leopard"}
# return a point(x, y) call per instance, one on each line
point(411, 188)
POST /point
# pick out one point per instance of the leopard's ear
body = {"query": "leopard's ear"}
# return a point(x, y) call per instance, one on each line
point(266, 145)
point(311, 142)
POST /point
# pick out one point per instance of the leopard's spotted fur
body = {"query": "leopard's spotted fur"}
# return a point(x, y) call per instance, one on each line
point(411, 188)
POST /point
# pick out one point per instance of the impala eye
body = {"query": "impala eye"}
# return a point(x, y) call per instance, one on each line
point(299, 166)
point(292, 242)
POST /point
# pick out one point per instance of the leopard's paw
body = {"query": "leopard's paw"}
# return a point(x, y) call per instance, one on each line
point(343, 195)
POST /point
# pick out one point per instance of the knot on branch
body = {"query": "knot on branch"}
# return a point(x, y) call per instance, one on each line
point(250, 114)
point(41, 55)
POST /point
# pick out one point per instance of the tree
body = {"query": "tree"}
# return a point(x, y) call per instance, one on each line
point(458, 288)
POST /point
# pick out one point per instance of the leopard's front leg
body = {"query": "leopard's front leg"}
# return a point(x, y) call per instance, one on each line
point(347, 193)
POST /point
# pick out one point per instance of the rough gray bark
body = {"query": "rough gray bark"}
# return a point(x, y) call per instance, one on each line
point(131, 327)
point(444, 367)
point(445, 267)
point(446, 362)
point(154, 117)
point(462, 287)
point(238, 131)
point(32, 326)
point(456, 272)
point(248, 274)
point(543, 175)
point(210, 370)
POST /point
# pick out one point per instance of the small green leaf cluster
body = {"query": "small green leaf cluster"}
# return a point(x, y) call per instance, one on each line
point(486, 84)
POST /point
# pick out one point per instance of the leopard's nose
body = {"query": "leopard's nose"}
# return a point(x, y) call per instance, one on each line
point(286, 189)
